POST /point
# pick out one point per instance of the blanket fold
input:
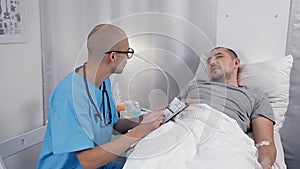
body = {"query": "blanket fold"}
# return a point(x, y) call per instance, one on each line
point(201, 138)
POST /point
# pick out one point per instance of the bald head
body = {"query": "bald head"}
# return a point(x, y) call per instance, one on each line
point(104, 37)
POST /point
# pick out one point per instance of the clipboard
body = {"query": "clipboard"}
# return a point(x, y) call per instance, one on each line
point(174, 108)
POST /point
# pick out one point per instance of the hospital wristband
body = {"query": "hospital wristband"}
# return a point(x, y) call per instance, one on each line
point(262, 143)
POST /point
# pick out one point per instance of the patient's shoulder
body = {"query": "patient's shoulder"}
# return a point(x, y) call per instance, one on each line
point(254, 93)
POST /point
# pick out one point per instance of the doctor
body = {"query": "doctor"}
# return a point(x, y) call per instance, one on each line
point(82, 112)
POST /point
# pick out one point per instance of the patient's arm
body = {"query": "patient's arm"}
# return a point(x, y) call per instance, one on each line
point(263, 131)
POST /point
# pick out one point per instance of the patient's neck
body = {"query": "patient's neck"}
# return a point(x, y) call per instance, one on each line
point(233, 83)
point(229, 81)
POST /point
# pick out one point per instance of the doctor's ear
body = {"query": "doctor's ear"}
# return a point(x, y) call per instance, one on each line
point(111, 56)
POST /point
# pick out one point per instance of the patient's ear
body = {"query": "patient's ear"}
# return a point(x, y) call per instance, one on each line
point(237, 62)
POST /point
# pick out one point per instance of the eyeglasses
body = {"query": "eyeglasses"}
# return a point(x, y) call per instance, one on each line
point(129, 53)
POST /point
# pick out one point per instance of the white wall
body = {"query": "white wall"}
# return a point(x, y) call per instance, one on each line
point(21, 79)
point(256, 29)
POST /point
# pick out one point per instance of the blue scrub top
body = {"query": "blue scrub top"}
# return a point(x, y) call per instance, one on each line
point(72, 125)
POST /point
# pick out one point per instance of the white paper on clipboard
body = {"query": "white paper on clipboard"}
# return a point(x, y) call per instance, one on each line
point(174, 108)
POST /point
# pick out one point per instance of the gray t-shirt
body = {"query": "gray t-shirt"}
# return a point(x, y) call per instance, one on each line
point(239, 103)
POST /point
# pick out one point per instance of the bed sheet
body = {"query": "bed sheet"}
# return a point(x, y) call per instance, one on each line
point(202, 137)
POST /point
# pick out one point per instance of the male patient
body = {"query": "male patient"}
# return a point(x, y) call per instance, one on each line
point(252, 111)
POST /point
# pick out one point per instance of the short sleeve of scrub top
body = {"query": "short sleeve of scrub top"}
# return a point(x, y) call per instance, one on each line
point(67, 133)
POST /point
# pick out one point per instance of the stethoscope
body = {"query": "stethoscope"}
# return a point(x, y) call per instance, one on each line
point(104, 93)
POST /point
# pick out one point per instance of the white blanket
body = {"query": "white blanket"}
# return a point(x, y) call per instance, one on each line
point(201, 138)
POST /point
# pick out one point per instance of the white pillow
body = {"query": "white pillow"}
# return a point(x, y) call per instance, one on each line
point(273, 79)
point(201, 73)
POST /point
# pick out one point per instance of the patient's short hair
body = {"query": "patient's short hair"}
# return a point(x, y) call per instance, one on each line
point(231, 52)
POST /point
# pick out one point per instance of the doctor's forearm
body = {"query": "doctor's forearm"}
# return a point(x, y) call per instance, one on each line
point(100, 155)
point(124, 125)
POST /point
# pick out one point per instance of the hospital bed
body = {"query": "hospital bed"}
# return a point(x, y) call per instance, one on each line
point(271, 77)
point(21, 145)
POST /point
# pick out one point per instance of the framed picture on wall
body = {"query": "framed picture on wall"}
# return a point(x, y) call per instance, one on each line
point(12, 28)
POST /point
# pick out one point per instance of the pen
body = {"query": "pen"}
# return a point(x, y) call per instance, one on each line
point(145, 109)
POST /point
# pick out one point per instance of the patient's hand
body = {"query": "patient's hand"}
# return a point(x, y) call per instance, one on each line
point(190, 101)
point(150, 122)
point(266, 165)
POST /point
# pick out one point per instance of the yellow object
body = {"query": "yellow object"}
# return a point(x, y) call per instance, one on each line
point(120, 107)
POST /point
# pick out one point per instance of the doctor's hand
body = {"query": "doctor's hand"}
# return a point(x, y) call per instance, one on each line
point(150, 122)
